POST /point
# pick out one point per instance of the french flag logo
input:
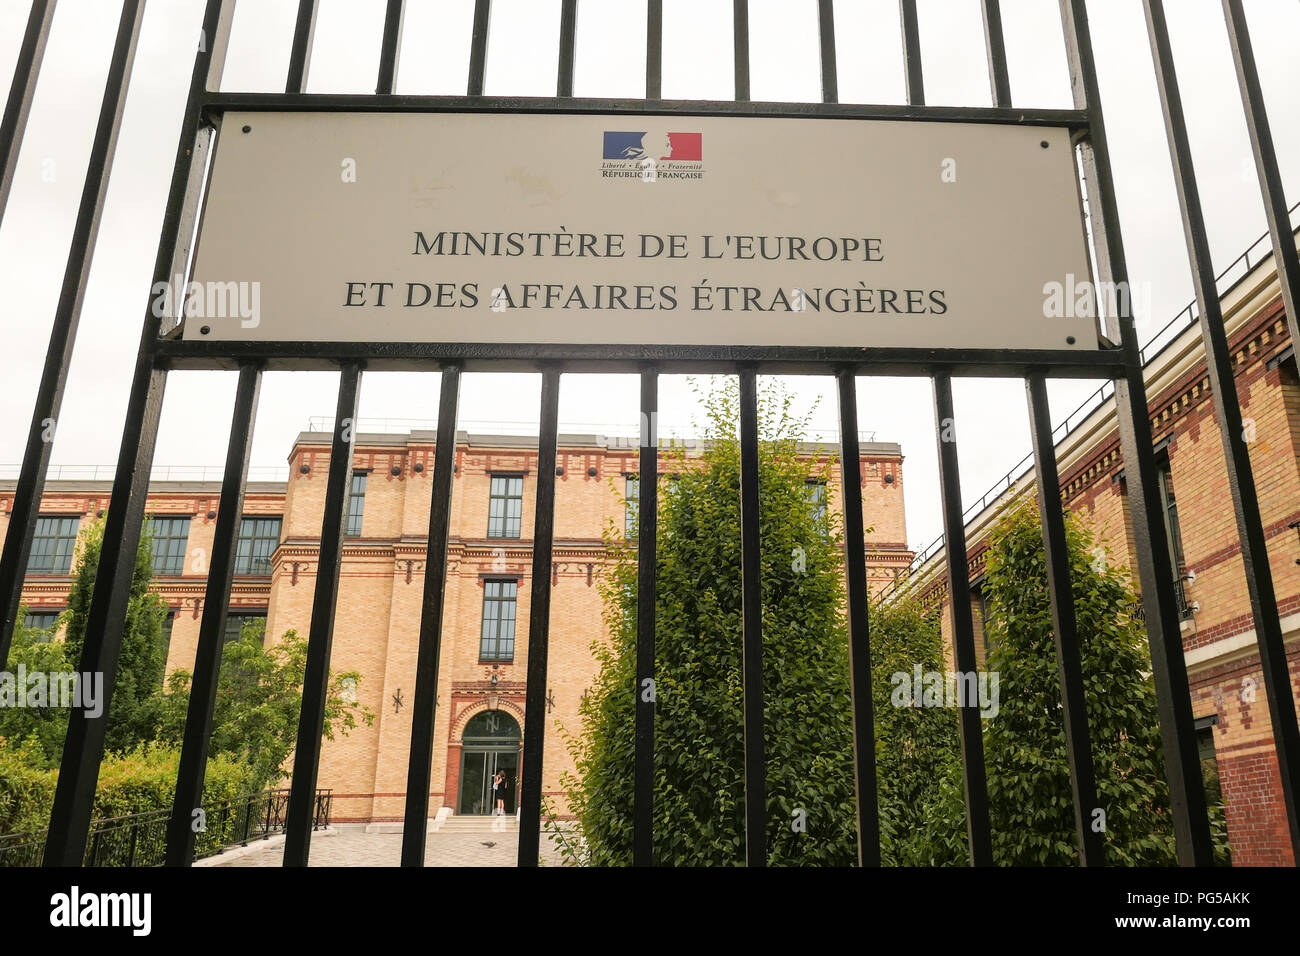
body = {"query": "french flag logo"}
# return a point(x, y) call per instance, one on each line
point(682, 147)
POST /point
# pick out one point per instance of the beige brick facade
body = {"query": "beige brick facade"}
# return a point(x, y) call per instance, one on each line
point(381, 586)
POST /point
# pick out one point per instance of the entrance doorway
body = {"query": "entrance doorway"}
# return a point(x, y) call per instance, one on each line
point(490, 744)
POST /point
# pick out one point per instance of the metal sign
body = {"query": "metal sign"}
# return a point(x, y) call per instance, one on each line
point(640, 230)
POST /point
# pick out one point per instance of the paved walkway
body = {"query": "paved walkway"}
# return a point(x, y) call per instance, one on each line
point(355, 847)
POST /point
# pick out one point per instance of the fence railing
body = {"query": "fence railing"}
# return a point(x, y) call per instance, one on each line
point(140, 839)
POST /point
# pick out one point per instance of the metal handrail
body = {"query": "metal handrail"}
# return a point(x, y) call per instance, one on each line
point(140, 839)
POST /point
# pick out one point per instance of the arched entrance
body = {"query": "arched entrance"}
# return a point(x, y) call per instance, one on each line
point(490, 743)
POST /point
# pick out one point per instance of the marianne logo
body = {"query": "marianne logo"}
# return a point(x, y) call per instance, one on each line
point(652, 155)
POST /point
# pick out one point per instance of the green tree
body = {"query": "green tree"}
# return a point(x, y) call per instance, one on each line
point(1029, 782)
point(259, 695)
point(699, 785)
point(141, 662)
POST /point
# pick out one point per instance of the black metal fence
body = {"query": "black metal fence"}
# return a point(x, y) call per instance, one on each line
point(69, 832)
point(140, 839)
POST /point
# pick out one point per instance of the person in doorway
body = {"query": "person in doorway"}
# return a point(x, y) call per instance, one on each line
point(499, 791)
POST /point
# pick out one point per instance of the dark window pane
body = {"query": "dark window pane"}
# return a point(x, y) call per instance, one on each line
point(816, 494)
point(631, 492)
point(497, 642)
point(258, 539)
point(235, 622)
point(356, 504)
point(1173, 533)
point(43, 621)
point(53, 542)
point(170, 537)
point(505, 506)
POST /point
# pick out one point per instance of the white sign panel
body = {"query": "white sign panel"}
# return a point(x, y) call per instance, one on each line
point(636, 229)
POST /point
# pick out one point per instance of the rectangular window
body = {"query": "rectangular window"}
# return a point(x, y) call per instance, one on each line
point(258, 538)
point(505, 506)
point(498, 641)
point(1173, 534)
point(235, 621)
point(170, 537)
point(52, 544)
point(631, 491)
point(1209, 759)
point(42, 621)
point(356, 504)
point(815, 490)
point(168, 623)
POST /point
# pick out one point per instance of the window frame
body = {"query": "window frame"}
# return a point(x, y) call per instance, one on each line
point(505, 518)
point(57, 541)
point(493, 653)
point(819, 502)
point(242, 615)
point(49, 628)
point(171, 539)
point(631, 504)
point(1173, 528)
point(246, 564)
point(356, 513)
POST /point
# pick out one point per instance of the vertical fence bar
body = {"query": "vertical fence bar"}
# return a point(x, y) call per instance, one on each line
point(539, 623)
point(1270, 178)
point(913, 76)
point(826, 43)
point(963, 630)
point(1227, 409)
point(216, 599)
point(995, 44)
point(304, 32)
point(1069, 665)
point(478, 47)
point(84, 743)
point(751, 570)
point(391, 47)
point(14, 122)
point(329, 561)
point(67, 317)
point(647, 567)
point(654, 49)
point(568, 31)
point(855, 574)
point(740, 37)
point(1155, 571)
point(424, 706)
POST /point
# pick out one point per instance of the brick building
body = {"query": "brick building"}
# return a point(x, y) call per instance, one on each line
point(484, 655)
point(1228, 695)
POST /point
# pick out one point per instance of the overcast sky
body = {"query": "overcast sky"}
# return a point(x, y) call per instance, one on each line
point(610, 61)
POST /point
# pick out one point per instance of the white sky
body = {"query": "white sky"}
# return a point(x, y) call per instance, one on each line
point(992, 422)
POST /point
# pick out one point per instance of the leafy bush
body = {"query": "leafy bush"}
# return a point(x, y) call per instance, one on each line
point(139, 781)
point(39, 730)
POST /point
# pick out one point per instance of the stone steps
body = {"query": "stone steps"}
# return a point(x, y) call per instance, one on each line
point(469, 824)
